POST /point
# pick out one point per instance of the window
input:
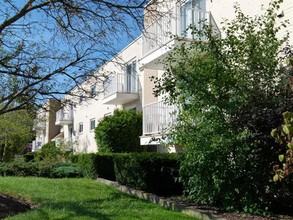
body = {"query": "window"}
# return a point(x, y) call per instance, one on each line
point(131, 77)
point(92, 124)
point(80, 127)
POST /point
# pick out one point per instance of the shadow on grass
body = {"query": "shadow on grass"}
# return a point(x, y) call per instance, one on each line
point(91, 208)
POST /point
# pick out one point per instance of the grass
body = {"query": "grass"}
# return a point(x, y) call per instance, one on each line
point(65, 199)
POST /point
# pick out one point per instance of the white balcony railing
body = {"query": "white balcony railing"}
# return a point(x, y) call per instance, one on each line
point(121, 83)
point(158, 118)
point(176, 24)
point(64, 117)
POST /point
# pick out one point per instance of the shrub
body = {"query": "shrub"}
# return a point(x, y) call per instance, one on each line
point(230, 92)
point(29, 156)
point(120, 132)
point(73, 158)
point(39, 169)
point(151, 172)
point(22, 168)
point(104, 164)
point(86, 165)
point(65, 170)
point(97, 165)
point(49, 152)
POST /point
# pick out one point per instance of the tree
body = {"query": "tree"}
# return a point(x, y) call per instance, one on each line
point(50, 46)
point(15, 133)
point(230, 93)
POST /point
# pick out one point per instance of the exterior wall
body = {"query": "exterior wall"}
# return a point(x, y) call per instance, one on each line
point(47, 117)
point(221, 9)
point(83, 113)
point(94, 108)
point(148, 96)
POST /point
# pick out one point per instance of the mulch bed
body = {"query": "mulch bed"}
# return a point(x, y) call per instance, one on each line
point(11, 205)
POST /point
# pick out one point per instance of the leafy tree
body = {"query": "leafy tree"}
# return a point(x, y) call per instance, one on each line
point(15, 133)
point(230, 92)
point(284, 135)
point(50, 46)
point(119, 133)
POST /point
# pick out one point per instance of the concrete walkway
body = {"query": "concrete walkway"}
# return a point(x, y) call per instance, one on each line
point(166, 203)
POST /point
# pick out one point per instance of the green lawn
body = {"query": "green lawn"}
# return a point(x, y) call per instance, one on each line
point(80, 199)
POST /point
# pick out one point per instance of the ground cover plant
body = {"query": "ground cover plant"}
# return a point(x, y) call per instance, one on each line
point(80, 199)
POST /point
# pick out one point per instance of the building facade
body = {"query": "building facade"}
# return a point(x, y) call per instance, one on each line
point(128, 84)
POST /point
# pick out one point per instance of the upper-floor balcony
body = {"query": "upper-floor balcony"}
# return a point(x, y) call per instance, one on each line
point(162, 35)
point(64, 116)
point(121, 89)
point(158, 118)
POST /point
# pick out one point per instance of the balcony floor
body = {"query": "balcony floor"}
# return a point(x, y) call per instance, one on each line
point(119, 98)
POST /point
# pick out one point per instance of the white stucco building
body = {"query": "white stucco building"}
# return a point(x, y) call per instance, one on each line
point(129, 85)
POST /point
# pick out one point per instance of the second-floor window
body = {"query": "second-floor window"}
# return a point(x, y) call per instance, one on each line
point(92, 124)
point(80, 127)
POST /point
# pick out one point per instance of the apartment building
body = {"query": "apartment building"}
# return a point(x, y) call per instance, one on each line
point(128, 83)
point(44, 124)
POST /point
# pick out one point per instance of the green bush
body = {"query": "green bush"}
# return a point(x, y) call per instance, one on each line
point(39, 169)
point(73, 158)
point(22, 168)
point(29, 156)
point(151, 172)
point(119, 133)
point(104, 164)
point(230, 92)
point(65, 170)
point(49, 152)
point(97, 165)
point(86, 165)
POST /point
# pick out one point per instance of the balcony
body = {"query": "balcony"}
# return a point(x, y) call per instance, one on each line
point(121, 89)
point(159, 38)
point(158, 118)
point(64, 117)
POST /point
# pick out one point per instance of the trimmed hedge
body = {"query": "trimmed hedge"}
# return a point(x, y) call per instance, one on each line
point(151, 172)
point(104, 164)
point(97, 165)
point(86, 165)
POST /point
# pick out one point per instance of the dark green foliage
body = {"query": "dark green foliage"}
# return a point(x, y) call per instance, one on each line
point(66, 170)
point(97, 165)
point(151, 172)
point(21, 168)
point(86, 165)
point(231, 92)
point(74, 158)
point(29, 156)
point(119, 133)
point(49, 152)
point(104, 164)
point(39, 169)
